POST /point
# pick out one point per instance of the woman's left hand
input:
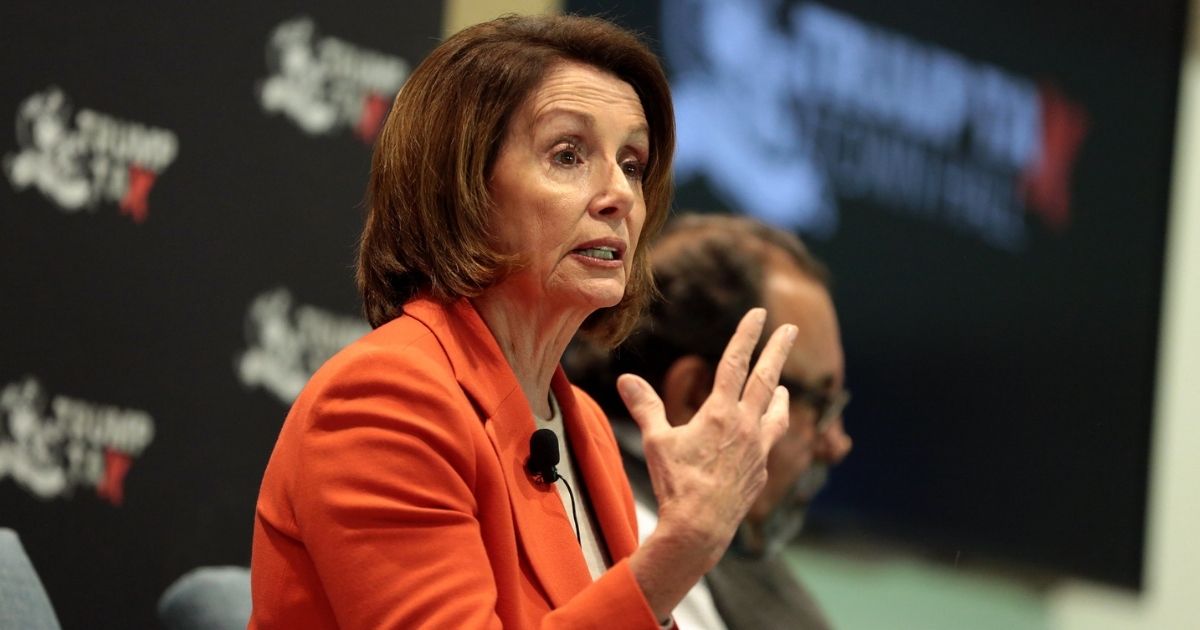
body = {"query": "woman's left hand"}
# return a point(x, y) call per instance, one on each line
point(707, 473)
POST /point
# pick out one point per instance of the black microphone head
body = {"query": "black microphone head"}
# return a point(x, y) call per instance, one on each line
point(543, 455)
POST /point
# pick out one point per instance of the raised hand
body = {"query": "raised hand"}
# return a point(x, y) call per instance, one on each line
point(706, 473)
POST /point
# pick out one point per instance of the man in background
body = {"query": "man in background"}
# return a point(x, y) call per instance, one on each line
point(711, 269)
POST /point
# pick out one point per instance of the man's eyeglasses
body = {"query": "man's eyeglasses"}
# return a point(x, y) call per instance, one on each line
point(828, 405)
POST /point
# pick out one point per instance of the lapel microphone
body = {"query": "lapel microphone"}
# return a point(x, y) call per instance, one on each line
point(543, 466)
point(543, 456)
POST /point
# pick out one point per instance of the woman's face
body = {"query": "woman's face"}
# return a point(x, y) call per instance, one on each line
point(567, 188)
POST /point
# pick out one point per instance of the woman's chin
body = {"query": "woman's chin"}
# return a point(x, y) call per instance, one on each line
point(600, 295)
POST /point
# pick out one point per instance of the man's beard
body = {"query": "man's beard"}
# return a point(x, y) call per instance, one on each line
point(784, 521)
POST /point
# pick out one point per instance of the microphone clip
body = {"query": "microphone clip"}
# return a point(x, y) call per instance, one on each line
point(543, 467)
point(543, 460)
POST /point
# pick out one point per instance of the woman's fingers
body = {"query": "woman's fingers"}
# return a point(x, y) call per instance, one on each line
point(735, 381)
point(760, 386)
point(735, 362)
point(645, 407)
point(775, 420)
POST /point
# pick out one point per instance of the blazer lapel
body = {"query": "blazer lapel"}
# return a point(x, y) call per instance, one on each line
point(542, 524)
point(606, 485)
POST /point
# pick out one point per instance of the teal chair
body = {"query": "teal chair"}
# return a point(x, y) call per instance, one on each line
point(207, 598)
point(24, 604)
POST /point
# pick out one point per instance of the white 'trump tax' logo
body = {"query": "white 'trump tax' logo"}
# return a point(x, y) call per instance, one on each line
point(287, 343)
point(52, 446)
point(99, 159)
point(844, 110)
point(326, 84)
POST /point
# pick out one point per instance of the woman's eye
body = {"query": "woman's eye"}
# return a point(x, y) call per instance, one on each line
point(567, 157)
point(633, 170)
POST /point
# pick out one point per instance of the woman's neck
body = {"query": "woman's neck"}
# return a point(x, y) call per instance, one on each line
point(532, 337)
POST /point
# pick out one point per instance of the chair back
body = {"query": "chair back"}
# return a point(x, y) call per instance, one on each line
point(24, 604)
point(207, 598)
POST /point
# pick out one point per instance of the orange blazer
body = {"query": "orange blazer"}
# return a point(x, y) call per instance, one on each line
point(396, 496)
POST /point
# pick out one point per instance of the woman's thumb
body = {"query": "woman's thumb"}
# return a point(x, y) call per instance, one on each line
point(645, 407)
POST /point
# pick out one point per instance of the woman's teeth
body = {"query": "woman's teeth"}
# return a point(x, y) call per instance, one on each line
point(603, 253)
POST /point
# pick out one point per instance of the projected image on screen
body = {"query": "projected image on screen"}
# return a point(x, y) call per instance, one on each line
point(988, 183)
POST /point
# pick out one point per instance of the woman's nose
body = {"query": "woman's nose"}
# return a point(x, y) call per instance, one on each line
point(616, 192)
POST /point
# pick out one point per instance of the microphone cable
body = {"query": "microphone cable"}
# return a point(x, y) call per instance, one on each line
point(574, 517)
point(542, 466)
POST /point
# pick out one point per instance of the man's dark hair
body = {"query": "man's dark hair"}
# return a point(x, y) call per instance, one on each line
point(710, 270)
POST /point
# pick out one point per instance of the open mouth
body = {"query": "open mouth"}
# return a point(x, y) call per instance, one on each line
point(600, 253)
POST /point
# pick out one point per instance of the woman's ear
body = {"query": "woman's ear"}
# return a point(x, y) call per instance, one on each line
point(686, 386)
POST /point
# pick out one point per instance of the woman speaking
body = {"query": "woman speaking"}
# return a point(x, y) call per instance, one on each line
point(513, 188)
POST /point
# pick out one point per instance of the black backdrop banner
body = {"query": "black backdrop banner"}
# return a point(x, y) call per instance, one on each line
point(988, 181)
point(180, 198)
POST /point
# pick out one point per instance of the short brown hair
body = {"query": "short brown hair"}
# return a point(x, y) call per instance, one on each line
point(428, 206)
